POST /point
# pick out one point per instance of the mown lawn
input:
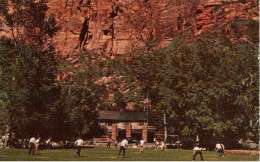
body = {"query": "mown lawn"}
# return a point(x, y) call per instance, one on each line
point(104, 154)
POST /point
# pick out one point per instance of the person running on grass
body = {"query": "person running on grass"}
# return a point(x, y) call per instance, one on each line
point(123, 146)
point(78, 144)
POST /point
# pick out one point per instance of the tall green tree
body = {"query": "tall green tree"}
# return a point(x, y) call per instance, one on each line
point(28, 85)
point(28, 65)
point(81, 96)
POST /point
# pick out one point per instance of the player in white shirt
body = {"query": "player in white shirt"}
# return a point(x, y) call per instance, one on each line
point(78, 144)
point(142, 146)
point(124, 144)
point(196, 151)
point(219, 149)
point(31, 145)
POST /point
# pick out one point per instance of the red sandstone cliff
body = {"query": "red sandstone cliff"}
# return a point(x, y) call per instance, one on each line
point(117, 26)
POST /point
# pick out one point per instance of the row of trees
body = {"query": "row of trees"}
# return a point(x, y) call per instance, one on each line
point(207, 87)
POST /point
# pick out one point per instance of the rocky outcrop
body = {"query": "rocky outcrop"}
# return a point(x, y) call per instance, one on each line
point(214, 13)
point(116, 27)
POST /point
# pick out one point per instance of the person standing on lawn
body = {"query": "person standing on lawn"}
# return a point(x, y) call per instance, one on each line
point(142, 146)
point(115, 143)
point(78, 144)
point(108, 142)
point(123, 146)
point(218, 149)
point(196, 151)
point(31, 145)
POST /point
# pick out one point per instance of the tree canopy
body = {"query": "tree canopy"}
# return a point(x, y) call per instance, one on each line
point(207, 87)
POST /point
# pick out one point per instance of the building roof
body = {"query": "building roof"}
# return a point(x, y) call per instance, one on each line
point(122, 115)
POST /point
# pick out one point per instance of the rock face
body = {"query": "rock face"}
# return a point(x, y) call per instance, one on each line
point(116, 27)
point(215, 13)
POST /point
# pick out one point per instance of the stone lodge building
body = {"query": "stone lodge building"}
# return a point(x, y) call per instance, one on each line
point(121, 124)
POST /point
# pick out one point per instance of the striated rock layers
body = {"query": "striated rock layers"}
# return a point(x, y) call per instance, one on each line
point(116, 27)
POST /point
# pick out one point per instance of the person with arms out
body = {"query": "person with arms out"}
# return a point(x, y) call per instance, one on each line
point(31, 145)
point(196, 151)
point(123, 146)
point(78, 144)
point(142, 146)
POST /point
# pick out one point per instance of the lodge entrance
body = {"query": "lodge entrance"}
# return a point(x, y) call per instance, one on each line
point(150, 137)
point(137, 134)
point(121, 134)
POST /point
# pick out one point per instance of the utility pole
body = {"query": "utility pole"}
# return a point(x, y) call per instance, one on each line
point(147, 107)
point(165, 128)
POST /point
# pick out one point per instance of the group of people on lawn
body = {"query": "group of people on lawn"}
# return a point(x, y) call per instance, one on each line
point(159, 144)
point(34, 144)
point(124, 144)
point(198, 150)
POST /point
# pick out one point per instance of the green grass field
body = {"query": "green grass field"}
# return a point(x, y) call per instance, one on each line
point(104, 154)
